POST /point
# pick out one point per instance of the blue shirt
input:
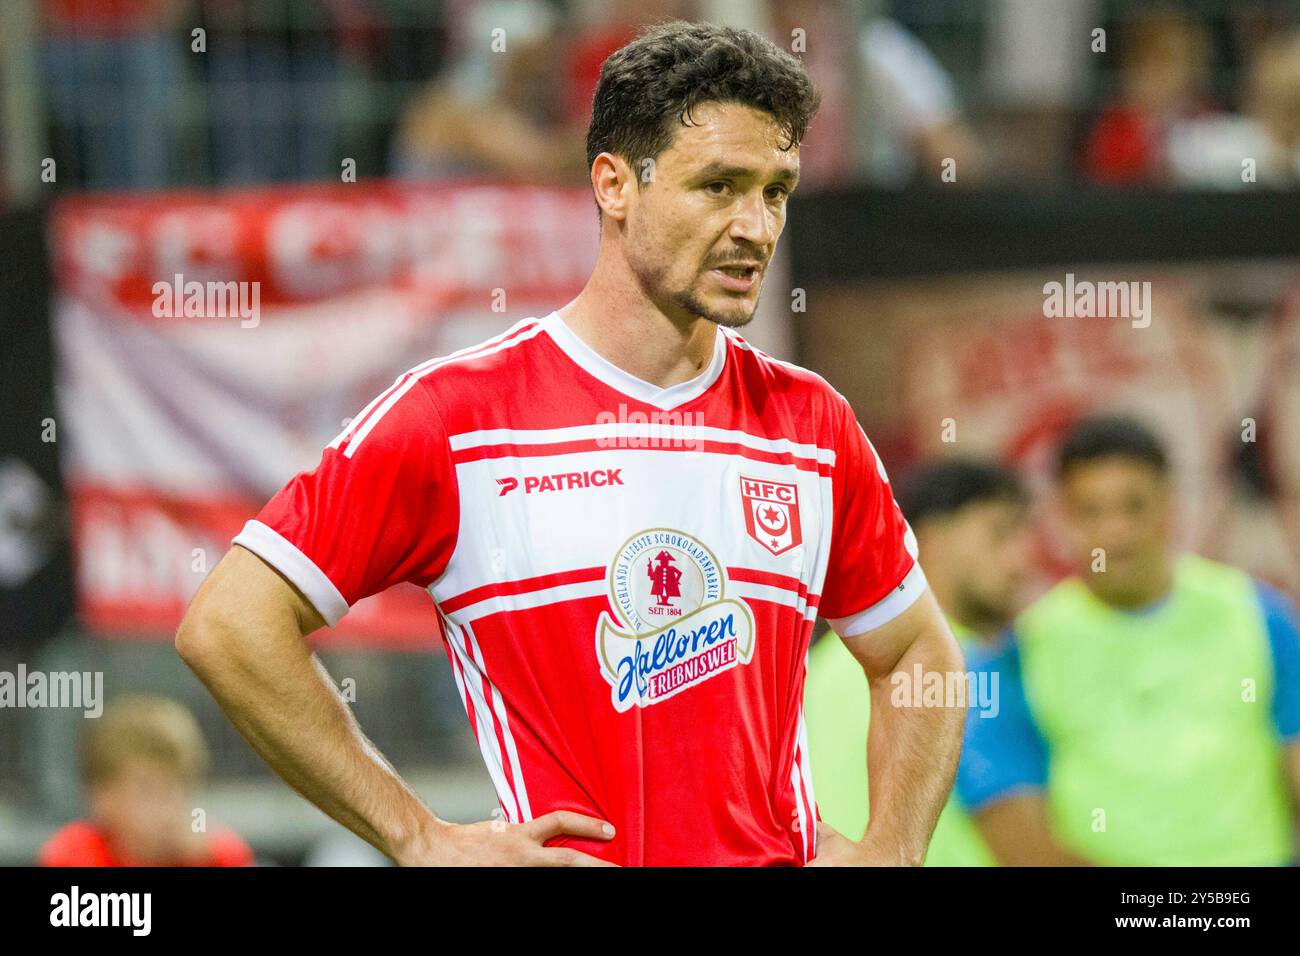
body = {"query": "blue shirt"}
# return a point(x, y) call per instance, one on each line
point(1007, 752)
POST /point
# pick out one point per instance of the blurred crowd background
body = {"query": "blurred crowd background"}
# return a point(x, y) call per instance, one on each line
point(125, 93)
point(364, 159)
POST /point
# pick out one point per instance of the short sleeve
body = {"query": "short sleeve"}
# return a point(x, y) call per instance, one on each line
point(1284, 642)
point(379, 509)
point(873, 575)
point(1003, 750)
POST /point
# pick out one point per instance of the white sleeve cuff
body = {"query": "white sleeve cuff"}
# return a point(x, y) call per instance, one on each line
point(886, 609)
point(265, 542)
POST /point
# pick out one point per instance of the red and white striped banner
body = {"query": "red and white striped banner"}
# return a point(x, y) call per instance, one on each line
point(211, 345)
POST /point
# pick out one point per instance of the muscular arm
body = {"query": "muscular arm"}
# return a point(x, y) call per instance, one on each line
point(243, 635)
point(911, 751)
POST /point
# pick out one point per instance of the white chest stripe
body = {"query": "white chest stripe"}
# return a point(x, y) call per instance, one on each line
point(683, 435)
point(599, 588)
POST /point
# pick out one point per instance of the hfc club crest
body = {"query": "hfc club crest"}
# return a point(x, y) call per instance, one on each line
point(772, 513)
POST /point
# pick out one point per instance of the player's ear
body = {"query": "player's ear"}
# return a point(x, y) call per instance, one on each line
point(612, 181)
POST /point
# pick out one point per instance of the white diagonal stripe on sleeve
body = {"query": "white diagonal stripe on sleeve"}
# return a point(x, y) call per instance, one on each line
point(420, 371)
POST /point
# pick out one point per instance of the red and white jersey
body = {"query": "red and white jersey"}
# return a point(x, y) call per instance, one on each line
point(626, 576)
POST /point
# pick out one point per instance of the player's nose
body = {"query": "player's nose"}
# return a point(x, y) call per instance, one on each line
point(754, 223)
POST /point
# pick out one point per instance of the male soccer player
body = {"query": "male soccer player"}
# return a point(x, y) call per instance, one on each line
point(1150, 711)
point(627, 609)
point(972, 521)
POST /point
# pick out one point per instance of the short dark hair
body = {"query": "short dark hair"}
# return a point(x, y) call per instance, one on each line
point(656, 80)
point(946, 487)
point(1110, 436)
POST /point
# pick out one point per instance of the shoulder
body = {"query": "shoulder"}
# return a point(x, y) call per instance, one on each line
point(777, 375)
point(412, 411)
point(228, 849)
point(1224, 588)
point(1281, 621)
point(1204, 572)
point(1040, 619)
point(79, 843)
point(492, 364)
point(1274, 601)
point(789, 391)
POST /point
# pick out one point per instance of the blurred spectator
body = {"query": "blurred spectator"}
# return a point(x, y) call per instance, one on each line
point(141, 762)
point(1211, 152)
point(502, 111)
point(274, 84)
point(601, 27)
point(1150, 704)
point(823, 35)
point(971, 522)
point(913, 121)
point(1163, 78)
point(113, 72)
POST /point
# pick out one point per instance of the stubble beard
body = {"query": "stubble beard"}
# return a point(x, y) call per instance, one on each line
point(692, 303)
point(652, 279)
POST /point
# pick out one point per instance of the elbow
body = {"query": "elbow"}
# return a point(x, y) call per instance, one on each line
point(199, 637)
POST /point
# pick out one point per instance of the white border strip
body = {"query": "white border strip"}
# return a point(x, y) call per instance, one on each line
point(499, 708)
point(473, 679)
point(805, 771)
point(886, 609)
point(620, 380)
point(528, 599)
point(277, 551)
point(663, 431)
point(796, 782)
point(773, 594)
point(473, 352)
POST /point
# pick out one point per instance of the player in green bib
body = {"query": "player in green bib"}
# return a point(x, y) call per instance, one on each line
point(970, 524)
point(1149, 704)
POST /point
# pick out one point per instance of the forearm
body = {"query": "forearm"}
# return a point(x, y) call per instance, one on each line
point(1018, 830)
point(279, 697)
point(912, 752)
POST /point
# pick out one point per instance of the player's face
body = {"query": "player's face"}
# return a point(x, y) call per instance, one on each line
point(701, 232)
point(1121, 506)
point(145, 808)
point(987, 545)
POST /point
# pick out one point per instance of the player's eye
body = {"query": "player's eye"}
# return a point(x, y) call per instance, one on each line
point(718, 187)
point(777, 193)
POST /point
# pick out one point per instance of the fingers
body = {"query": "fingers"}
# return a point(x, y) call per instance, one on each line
point(563, 856)
point(567, 823)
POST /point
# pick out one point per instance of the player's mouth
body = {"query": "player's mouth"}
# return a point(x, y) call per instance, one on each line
point(737, 277)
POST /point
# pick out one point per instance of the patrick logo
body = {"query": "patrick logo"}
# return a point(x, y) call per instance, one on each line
point(673, 626)
point(772, 513)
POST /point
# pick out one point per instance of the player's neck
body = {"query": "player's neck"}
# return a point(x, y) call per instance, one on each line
point(615, 319)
